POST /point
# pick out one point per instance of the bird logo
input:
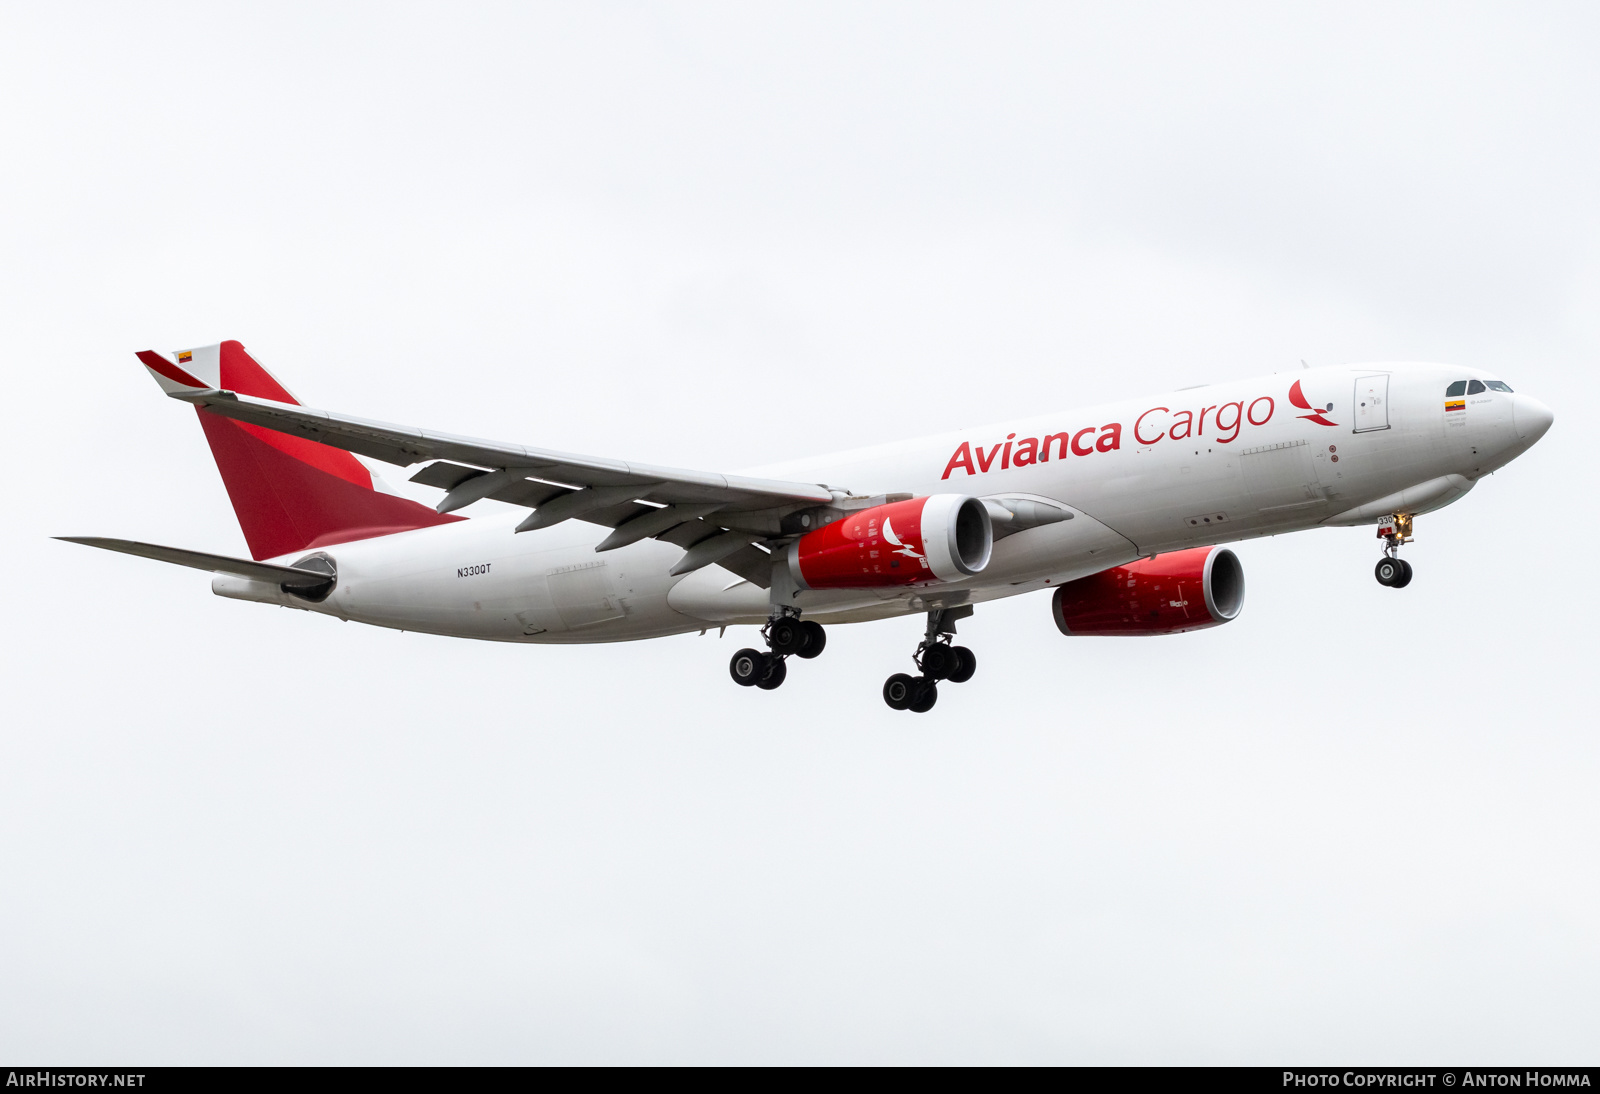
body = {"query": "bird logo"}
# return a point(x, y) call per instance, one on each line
point(888, 534)
point(1298, 398)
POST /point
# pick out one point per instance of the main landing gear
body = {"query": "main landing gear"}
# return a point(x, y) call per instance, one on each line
point(1392, 571)
point(786, 635)
point(936, 659)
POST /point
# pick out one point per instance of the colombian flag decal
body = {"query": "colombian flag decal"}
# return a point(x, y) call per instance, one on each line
point(1454, 404)
point(185, 357)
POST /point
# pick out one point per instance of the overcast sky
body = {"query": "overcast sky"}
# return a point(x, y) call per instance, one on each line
point(1354, 825)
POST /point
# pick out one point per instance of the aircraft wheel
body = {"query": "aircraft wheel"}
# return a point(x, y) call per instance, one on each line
point(925, 693)
point(938, 661)
point(747, 667)
point(1405, 575)
point(1389, 572)
point(897, 690)
point(775, 675)
point(786, 636)
point(966, 665)
point(816, 638)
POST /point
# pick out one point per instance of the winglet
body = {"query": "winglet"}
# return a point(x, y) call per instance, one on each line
point(176, 377)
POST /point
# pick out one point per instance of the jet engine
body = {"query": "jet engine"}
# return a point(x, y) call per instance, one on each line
point(1168, 594)
point(944, 537)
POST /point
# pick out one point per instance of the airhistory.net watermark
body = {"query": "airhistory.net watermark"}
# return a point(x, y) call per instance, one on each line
point(49, 1078)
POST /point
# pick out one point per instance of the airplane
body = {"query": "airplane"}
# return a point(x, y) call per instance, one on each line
point(1121, 510)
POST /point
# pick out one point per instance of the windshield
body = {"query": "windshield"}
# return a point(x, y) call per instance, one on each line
point(1499, 385)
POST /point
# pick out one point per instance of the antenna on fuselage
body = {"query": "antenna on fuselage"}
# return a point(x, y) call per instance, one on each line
point(1303, 363)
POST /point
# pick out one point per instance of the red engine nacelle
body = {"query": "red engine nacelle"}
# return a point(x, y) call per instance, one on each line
point(945, 537)
point(1167, 594)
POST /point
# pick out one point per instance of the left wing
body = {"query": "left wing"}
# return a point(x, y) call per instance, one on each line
point(716, 518)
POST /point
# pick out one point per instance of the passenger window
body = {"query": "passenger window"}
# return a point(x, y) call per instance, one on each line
point(1456, 389)
point(1475, 388)
point(1500, 385)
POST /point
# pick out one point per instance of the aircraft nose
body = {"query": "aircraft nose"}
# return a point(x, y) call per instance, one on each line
point(1532, 418)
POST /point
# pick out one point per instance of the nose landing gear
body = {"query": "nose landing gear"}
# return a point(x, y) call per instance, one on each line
point(936, 659)
point(1392, 571)
point(785, 635)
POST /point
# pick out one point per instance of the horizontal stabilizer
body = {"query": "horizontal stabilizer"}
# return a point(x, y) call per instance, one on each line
point(217, 564)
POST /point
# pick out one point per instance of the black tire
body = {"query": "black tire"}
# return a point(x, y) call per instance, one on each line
point(775, 675)
point(966, 665)
point(926, 694)
point(897, 690)
point(816, 639)
point(938, 662)
point(786, 636)
point(1405, 575)
point(1389, 571)
point(747, 667)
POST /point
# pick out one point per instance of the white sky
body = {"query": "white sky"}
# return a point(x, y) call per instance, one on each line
point(1354, 825)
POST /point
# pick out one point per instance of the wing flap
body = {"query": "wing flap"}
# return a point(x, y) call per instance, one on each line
point(529, 493)
point(689, 533)
point(752, 563)
point(445, 475)
point(613, 515)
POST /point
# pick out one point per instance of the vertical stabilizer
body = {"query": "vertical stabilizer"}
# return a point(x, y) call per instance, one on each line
point(289, 493)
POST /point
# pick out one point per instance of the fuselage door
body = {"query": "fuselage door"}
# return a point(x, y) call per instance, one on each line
point(583, 594)
point(1371, 403)
point(1280, 477)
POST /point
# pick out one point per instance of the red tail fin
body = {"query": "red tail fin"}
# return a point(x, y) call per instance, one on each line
point(290, 494)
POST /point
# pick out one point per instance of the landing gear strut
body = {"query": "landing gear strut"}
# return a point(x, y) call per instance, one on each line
point(785, 635)
point(936, 659)
point(1393, 571)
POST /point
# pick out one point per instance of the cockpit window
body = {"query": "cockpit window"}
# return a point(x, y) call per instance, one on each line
point(1475, 388)
point(1499, 385)
point(1456, 389)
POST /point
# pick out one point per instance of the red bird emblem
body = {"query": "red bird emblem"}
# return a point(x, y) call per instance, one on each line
point(1298, 398)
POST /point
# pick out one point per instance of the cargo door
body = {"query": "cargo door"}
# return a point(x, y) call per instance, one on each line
point(1371, 402)
point(1280, 478)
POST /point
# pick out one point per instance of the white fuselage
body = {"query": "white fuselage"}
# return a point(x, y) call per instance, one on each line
point(1189, 468)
